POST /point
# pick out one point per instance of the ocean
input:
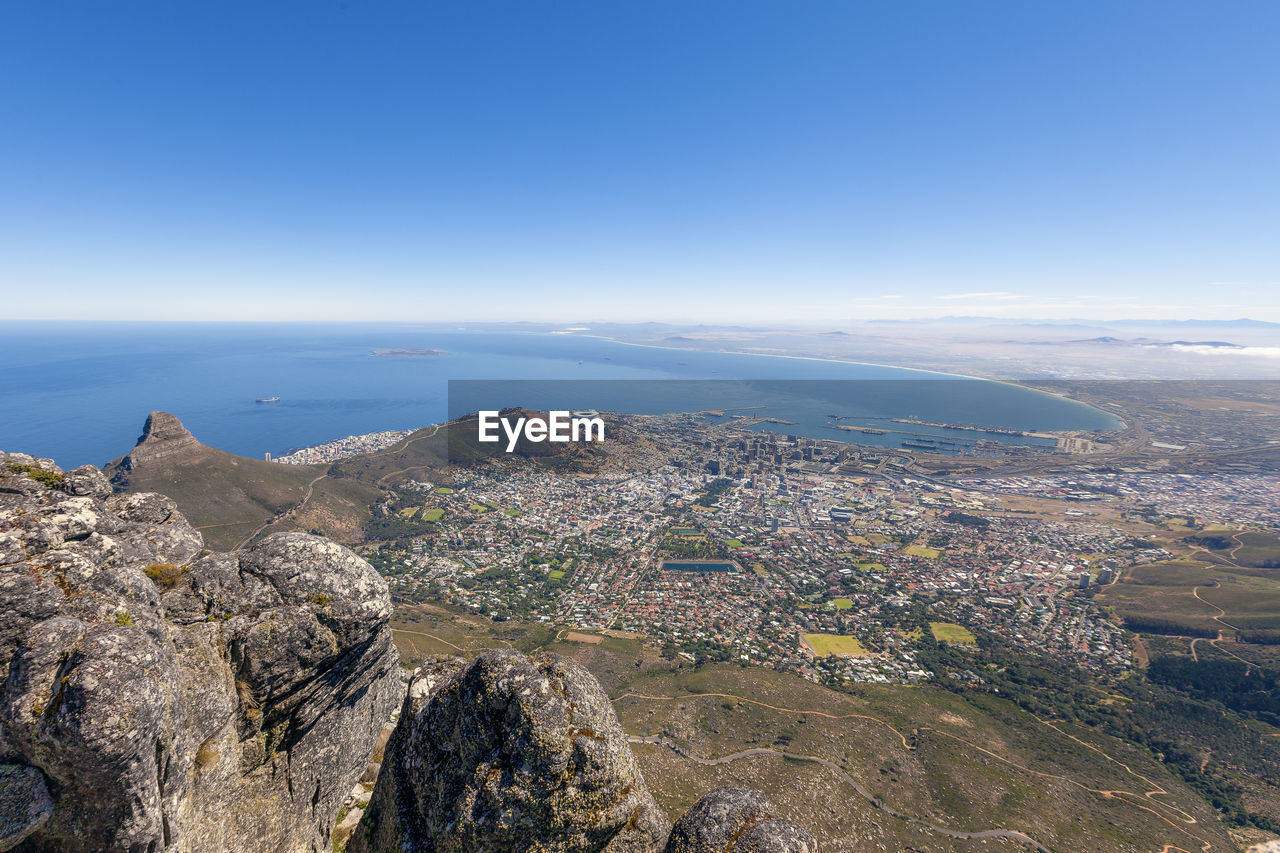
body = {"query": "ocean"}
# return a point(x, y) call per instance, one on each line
point(79, 392)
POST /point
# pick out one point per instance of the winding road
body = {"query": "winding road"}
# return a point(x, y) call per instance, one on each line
point(875, 801)
point(311, 487)
point(1195, 592)
point(1175, 817)
point(435, 428)
point(901, 736)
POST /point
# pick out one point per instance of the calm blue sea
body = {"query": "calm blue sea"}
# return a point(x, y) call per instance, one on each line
point(79, 392)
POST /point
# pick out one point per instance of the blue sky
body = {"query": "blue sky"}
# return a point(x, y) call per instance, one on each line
point(563, 161)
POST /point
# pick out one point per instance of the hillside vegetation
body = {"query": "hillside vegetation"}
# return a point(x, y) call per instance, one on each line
point(843, 763)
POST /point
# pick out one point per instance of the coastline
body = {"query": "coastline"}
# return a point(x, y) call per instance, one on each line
point(330, 395)
point(1010, 382)
point(776, 355)
point(347, 447)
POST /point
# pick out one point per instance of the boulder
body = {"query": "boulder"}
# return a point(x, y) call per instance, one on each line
point(509, 753)
point(167, 697)
point(736, 820)
point(24, 803)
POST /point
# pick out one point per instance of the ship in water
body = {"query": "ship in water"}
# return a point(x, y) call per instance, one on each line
point(267, 400)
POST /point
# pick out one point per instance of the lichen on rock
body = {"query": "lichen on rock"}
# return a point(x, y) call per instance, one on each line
point(25, 804)
point(227, 704)
point(509, 753)
point(159, 696)
point(736, 820)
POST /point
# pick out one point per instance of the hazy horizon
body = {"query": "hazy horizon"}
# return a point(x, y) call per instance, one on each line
point(586, 325)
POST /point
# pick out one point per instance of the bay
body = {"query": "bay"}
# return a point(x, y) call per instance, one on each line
point(79, 392)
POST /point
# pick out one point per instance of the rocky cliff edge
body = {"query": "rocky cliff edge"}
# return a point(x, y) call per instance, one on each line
point(159, 696)
point(511, 753)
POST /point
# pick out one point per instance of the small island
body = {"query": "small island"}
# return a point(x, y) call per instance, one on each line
point(400, 352)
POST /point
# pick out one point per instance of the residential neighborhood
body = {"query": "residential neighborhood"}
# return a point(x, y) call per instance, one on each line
point(715, 542)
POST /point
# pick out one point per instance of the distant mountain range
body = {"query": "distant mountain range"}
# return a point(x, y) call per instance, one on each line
point(1149, 342)
point(1080, 322)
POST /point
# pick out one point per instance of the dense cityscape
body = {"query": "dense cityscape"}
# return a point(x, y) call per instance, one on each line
point(343, 448)
point(786, 552)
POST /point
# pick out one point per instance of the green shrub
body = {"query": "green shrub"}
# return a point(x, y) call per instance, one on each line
point(165, 575)
point(52, 479)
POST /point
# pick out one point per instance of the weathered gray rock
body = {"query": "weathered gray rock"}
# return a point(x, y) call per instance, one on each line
point(160, 696)
point(736, 820)
point(509, 753)
point(86, 481)
point(174, 698)
point(777, 836)
point(24, 803)
point(393, 818)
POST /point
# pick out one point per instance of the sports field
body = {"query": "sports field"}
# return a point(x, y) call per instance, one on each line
point(836, 644)
point(950, 632)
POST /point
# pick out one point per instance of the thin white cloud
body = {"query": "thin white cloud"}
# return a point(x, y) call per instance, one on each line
point(989, 294)
point(1255, 352)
